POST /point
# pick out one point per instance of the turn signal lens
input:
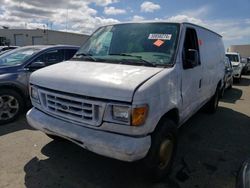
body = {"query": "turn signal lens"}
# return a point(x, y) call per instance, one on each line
point(139, 115)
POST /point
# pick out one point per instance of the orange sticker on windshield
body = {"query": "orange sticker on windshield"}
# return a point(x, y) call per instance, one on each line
point(158, 43)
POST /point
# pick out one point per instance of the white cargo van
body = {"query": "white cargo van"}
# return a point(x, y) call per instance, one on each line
point(129, 88)
point(235, 59)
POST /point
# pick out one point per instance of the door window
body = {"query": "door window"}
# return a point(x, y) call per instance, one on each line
point(190, 43)
point(54, 56)
point(51, 57)
point(69, 53)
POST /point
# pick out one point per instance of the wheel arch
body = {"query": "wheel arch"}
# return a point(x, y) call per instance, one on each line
point(16, 89)
point(172, 114)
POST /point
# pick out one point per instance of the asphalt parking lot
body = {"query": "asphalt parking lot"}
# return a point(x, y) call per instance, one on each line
point(210, 152)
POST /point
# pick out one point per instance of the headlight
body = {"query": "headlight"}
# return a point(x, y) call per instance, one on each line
point(121, 113)
point(34, 93)
point(126, 114)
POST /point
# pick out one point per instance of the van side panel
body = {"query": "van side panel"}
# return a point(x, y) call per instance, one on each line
point(212, 55)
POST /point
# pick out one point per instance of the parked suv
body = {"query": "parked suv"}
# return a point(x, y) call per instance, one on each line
point(129, 88)
point(15, 69)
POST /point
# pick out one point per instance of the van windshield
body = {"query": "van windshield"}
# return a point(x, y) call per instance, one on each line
point(133, 43)
point(232, 57)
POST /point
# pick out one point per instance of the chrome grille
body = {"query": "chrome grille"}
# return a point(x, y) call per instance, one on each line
point(72, 108)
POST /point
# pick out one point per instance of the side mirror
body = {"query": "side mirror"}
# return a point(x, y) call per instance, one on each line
point(36, 65)
point(191, 58)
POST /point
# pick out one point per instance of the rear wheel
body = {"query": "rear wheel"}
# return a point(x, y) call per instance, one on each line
point(222, 91)
point(11, 105)
point(231, 84)
point(212, 105)
point(159, 159)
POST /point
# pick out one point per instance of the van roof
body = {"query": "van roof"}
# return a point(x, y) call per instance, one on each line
point(156, 21)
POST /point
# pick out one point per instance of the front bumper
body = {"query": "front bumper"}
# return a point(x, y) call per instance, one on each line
point(108, 144)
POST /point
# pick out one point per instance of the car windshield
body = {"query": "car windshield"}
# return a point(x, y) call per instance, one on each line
point(17, 57)
point(234, 58)
point(133, 43)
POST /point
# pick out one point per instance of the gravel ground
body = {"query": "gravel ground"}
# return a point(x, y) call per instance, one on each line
point(210, 152)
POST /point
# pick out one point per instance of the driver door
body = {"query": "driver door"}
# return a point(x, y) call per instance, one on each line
point(191, 76)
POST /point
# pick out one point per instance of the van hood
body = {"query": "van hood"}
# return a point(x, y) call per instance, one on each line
point(101, 80)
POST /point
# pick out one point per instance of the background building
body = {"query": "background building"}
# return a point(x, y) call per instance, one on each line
point(23, 37)
point(244, 50)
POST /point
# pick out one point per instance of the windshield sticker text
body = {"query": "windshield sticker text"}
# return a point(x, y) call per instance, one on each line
point(160, 36)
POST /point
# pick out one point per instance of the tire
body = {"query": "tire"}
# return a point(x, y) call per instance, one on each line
point(159, 159)
point(231, 85)
point(212, 104)
point(222, 92)
point(239, 79)
point(11, 106)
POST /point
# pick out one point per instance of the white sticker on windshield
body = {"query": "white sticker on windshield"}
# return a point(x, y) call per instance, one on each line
point(159, 36)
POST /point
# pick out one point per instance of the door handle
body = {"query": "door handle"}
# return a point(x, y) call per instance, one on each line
point(200, 83)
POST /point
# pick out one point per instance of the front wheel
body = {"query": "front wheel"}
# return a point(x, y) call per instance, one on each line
point(159, 159)
point(11, 105)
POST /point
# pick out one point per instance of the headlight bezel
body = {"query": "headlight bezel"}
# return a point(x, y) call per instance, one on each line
point(34, 93)
point(131, 110)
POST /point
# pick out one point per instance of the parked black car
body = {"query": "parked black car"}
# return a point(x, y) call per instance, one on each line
point(244, 62)
point(248, 64)
point(15, 69)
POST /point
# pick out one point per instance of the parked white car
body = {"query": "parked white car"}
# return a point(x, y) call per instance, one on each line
point(129, 88)
point(235, 59)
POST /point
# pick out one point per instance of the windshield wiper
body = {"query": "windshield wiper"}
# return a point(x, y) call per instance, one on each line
point(145, 62)
point(89, 56)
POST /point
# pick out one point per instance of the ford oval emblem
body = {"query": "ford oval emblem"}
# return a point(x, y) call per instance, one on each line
point(64, 107)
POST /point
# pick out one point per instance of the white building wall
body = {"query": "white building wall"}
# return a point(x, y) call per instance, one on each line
point(24, 37)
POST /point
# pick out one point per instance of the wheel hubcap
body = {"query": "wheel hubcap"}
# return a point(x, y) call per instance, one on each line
point(8, 107)
point(166, 151)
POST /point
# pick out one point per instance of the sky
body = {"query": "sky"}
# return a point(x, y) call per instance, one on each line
point(229, 18)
